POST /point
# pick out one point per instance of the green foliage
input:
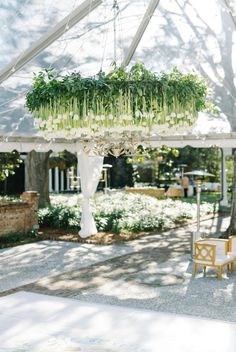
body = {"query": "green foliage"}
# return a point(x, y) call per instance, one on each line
point(230, 171)
point(63, 160)
point(158, 154)
point(17, 237)
point(120, 97)
point(121, 212)
point(150, 172)
point(109, 221)
point(4, 199)
point(8, 163)
point(121, 173)
point(195, 159)
point(59, 216)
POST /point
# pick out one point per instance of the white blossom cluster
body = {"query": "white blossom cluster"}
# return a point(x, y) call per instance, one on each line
point(70, 126)
point(136, 212)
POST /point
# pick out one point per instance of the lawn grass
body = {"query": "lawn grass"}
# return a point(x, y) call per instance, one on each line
point(209, 197)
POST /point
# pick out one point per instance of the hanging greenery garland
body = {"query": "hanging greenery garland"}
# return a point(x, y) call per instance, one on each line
point(137, 101)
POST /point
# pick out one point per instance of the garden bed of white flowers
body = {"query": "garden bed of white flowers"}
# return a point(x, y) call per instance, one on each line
point(120, 212)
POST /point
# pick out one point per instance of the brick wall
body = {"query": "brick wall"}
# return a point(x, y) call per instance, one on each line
point(19, 216)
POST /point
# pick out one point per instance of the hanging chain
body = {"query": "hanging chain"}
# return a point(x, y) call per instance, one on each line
point(116, 11)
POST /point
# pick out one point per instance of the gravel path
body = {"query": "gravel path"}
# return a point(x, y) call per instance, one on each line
point(153, 272)
point(28, 263)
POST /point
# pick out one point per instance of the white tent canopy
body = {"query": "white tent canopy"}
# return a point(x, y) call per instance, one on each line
point(193, 35)
point(79, 35)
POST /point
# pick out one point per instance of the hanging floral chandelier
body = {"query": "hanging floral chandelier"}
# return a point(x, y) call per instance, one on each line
point(119, 105)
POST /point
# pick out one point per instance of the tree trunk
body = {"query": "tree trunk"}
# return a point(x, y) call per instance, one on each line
point(5, 187)
point(232, 227)
point(36, 175)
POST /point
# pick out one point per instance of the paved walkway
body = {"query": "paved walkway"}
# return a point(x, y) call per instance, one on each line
point(28, 263)
point(59, 296)
point(153, 272)
point(38, 323)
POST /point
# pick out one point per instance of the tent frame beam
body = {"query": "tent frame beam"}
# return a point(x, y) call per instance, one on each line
point(26, 143)
point(140, 32)
point(48, 38)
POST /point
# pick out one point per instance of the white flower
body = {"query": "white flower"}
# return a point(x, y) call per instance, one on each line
point(76, 117)
point(64, 117)
point(151, 114)
point(91, 116)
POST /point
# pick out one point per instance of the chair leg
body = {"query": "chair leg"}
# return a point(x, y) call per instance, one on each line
point(219, 273)
point(232, 267)
point(194, 269)
point(204, 270)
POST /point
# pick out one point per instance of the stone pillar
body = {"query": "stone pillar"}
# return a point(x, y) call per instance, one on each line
point(224, 185)
point(67, 180)
point(72, 173)
point(50, 180)
point(62, 181)
point(56, 178)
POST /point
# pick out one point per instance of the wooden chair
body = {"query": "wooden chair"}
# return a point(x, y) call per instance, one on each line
point(212, 253)
point(232, 246)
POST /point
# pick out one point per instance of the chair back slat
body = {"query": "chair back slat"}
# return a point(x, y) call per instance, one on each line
point(221, 246)
point(233, 244)
point(205, 252)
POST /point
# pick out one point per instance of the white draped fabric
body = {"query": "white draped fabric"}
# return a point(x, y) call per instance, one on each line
point(90, 168)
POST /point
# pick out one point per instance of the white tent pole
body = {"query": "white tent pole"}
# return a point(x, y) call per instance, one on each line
point(142, 27)
point(224, 186)
point(56, 32)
